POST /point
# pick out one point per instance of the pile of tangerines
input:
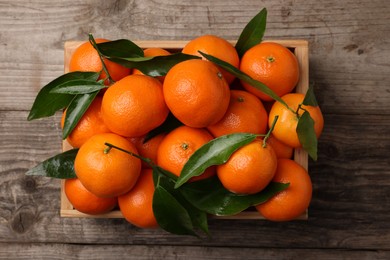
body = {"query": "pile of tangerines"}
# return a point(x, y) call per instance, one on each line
point(201, 96)
point(116, 153)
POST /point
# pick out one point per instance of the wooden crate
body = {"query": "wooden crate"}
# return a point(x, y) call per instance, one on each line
point(298, 47)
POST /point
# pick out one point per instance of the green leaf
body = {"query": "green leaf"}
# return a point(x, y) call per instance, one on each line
point(198, 217)
point(47, 103)
point(153, 66)
point(122, 48)
point(310, 98)
point(306, 134)
point(60, 166)
point(78, 86)
point(242, 76)
point(76, 110)
point(253, 33)
point(215, 152)
point(166, 180)
point(130, 55)
point(170, 214)
point(170, 123)
point(210, 196)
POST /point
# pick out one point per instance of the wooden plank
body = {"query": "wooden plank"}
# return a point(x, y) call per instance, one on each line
point(349, 207)
point(136, 252)
point(67, 211)
point(350, 60)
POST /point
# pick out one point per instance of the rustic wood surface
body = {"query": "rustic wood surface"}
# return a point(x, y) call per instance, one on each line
point(349, 64)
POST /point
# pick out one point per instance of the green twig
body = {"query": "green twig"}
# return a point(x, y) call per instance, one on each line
point(101, 56)
point(146, 160)
point(270, 131)
point(299, 108)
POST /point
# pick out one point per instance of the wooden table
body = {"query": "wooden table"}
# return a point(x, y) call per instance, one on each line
point(349, 63)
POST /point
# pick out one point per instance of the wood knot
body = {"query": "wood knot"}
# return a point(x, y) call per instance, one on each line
point(29, 184)
point(285, 12)
point(23, 219)
point(350, 47)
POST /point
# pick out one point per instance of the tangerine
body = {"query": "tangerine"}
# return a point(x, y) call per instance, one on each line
point(272, 64)
point(134, 105)
point(245, 113)
point(196, 93)
point(85, 201)
point(249, 169)
point(293, 201)
point(281, 150)
point(149, 148)
point(217, 47)
point(86, 58)
point(285, 127)
point(137, 205)
point(107, 172)
point(178, 146)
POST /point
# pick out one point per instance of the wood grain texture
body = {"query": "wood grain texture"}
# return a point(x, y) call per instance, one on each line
point(139, 252)
point(349, 43)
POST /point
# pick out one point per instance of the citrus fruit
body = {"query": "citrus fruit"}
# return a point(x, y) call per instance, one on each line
point(217, 47)
point(107, 172)
point(178, 146)
point(196, 93)
point(136, 205)
point(245, 113)
point(249, 169)
point(134, 105)
point(285, 127)
point(272, 64)
point(152, 52)
point(85, 201)
point(281, 150)
point(149, 148)
point(90, 123)
point(293, 201)
point(86, 58)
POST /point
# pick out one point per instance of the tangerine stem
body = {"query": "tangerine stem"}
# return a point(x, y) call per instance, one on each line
point(94, 44)
point(299, 107)
point(147, 160)
point(107, 150)
point(270, 131)
point(270, 59)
